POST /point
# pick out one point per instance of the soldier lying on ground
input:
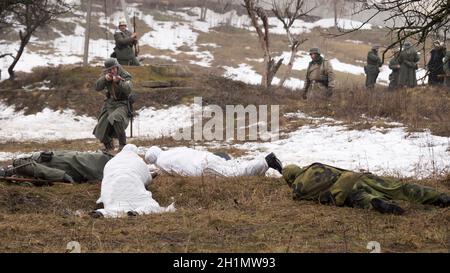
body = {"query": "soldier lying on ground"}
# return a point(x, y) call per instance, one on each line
point(190, 162)
point(124, 184)
point(331, 185)
point(63, 166)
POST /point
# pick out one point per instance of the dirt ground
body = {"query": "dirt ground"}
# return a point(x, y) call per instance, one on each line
point(213, 215)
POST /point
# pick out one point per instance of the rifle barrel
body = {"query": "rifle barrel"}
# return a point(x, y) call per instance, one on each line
point(32, 180)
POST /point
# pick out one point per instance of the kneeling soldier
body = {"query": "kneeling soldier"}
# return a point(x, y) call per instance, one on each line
point(115, 114)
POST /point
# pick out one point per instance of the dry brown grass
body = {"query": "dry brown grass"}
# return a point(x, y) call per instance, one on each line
point(214, 215)
point(420, 108)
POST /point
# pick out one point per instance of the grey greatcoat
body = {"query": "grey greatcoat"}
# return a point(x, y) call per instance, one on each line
point(115, 107)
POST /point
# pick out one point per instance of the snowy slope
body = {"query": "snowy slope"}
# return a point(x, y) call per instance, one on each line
point(54, 125)
point(164, 35)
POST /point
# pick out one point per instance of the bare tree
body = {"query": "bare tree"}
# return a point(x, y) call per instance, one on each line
point(203, 10)
point(336, 11)
point(31, 15)
point(224, 5)
point(257, 14)
point(288, 12)
point(5, 8)
point(414, 20)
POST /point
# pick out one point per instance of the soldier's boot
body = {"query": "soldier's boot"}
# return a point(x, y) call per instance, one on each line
point(7, 171)
point(67, 178)
point(132, 213)
point(96, 214)
point(273, 162)
point(443, 201)
point(121, 135)
point(386, 207)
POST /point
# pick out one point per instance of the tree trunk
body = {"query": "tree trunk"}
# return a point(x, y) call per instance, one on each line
point(272, 69)
point(290, 65)
point(203, 14)
point(203, 11)
point(23, 43)
point(87, 34)
point(265, 74)
point(335, 13)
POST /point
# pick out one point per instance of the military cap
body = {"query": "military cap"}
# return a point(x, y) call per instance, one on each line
point(314, 50)
point(122, 22)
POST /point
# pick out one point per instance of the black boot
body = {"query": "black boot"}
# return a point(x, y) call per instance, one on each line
point(132, 213)
point(7, 171)
point(386, 207)
point(121, 135)
point(96, 214)
point(273, 162)
point(443, 201)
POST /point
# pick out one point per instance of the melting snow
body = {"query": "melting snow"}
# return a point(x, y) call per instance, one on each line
point(381, 151)
point(55, 125)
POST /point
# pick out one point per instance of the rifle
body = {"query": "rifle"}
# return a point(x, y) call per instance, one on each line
point(36, 182)
point(136, 44)
point(131, 113)
point(444, 75)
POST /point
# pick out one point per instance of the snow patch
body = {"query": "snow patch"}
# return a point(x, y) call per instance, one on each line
point(55, 125)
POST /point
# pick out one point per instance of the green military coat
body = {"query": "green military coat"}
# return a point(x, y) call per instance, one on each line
point(408, 59)
point(393, 77)
point(372, 68)
point(82, 167)
point(115, 107)
point(124, 48)
point(318, 182)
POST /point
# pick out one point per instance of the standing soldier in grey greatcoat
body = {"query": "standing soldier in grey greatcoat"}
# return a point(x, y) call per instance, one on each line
point(372, 68)
point(320, 78)
point(408, 59)
point(395, 67)
point(125, 40)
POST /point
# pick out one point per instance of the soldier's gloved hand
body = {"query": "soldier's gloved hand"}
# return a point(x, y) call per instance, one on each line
point(117, 78)
point(154, 174)
point(108, 77)
point(68, 178)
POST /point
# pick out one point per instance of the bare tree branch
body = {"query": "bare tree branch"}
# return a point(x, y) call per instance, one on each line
point(257, 14)
point(288, 12)
point(415, 20)
point(6, 54)
point(31, 15)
